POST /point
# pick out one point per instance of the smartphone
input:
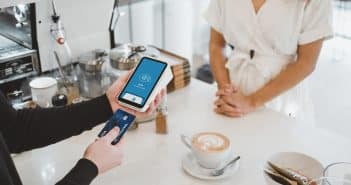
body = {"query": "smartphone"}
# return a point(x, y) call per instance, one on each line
point(120, 119)
point(148, 78)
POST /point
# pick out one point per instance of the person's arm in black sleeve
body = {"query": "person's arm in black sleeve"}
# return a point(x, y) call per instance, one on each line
point(32, 128)
point(82, 174)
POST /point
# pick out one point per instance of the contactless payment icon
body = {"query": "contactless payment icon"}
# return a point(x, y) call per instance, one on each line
point(145, 78)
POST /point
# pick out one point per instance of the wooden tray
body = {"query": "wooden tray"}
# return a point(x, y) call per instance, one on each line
point(180, 68)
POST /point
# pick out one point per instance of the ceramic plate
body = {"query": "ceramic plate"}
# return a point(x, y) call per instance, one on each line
point(191, 166)
point(302, 163)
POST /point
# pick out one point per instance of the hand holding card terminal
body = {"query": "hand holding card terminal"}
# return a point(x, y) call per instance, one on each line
point(147, 80)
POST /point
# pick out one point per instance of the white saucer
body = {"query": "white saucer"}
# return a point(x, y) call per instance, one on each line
point(192, 167)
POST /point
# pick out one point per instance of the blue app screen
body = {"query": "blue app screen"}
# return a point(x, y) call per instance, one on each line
point(143, 81)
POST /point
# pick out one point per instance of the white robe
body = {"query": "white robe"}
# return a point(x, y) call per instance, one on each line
point(274, 33)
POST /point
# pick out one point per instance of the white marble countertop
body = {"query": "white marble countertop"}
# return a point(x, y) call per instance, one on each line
point(156, 159)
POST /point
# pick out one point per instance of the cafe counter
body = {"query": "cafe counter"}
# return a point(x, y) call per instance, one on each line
point(155, 159)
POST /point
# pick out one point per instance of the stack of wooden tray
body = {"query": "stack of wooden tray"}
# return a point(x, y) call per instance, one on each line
point(180, 68)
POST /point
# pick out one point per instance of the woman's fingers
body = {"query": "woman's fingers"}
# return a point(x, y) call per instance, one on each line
point(229, 100)
point(223, 92)
point(230, 109)
point(227, 109)
point(233, 114)
point(235, 88)
point(231, 88)
point(225, 100)
point(228, 88)
point(229, 114)
point(219, 102)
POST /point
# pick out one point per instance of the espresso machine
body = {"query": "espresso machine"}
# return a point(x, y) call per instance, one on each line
point(18, 50)
point(27, 43)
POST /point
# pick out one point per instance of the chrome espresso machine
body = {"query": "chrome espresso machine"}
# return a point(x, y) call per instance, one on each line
point(18, 50)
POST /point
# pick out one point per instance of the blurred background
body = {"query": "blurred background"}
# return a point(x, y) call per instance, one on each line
point(172, 25)
point(186, 33)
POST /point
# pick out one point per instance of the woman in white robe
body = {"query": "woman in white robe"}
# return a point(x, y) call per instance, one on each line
point(276, 46)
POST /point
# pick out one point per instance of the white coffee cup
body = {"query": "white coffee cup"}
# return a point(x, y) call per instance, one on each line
point(43, 89)
point(210, 149)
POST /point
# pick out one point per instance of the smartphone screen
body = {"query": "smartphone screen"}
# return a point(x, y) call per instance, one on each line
point(142, 82)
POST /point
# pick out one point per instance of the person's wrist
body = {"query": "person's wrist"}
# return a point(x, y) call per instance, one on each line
point(222, 85)
point(254, 102)
point(93, 162)
point(112, 101)
point(109, 95)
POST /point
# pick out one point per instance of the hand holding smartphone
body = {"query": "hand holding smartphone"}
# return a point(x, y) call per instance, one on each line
point(147, 80)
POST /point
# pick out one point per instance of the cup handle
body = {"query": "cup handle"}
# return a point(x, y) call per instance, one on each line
point(186, 141)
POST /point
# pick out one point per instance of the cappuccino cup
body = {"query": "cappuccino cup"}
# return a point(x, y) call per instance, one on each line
point(210, 149)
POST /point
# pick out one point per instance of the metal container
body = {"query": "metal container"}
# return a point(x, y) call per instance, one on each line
point(92, 61)
point(90, 75)
point(127, 56)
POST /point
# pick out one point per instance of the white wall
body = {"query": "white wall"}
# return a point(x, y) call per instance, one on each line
point(179, 26)
point(201, 29)
point(147, 25)
point(144, 21)
point(122, 32)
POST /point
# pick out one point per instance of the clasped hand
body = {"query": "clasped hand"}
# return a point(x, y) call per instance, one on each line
point(232, 102)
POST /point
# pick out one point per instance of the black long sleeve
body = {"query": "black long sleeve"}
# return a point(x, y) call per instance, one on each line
point(32, 128)
point(82, 174)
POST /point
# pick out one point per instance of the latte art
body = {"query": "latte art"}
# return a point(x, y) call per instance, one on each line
point(210, 142)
